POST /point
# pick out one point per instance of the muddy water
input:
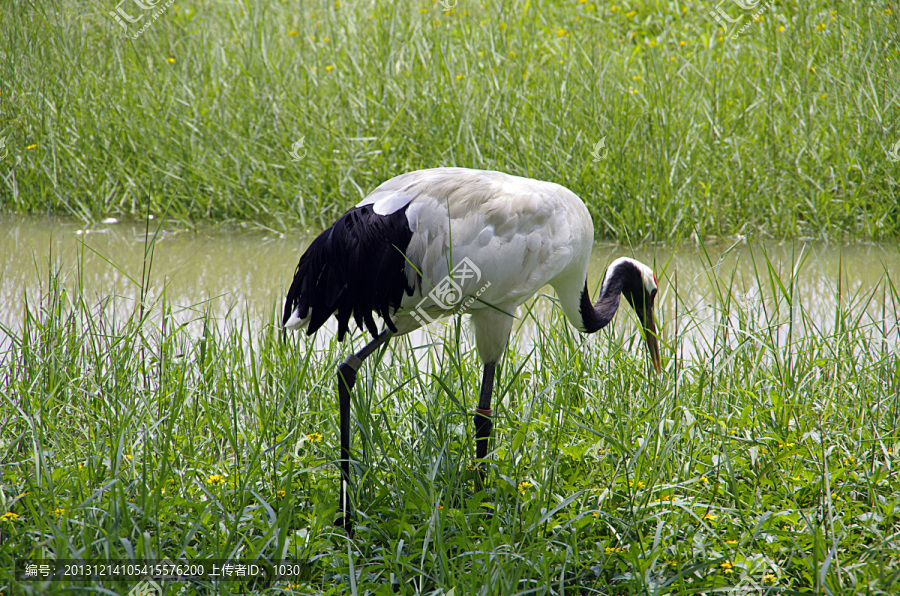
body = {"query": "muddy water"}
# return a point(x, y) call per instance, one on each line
point(236, 274)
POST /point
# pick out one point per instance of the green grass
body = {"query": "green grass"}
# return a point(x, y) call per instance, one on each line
point(770, 459)
point(781, 131)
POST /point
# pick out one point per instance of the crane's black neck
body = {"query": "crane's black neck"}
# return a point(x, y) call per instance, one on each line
point(618, 280)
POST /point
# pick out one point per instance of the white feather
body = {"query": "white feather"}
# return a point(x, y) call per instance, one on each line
point(521, 233)
point(295, 322)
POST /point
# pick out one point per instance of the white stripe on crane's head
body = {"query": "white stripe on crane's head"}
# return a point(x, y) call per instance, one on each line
point(648, 278)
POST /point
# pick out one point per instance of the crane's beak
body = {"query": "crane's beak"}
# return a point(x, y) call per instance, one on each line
point(643, 307)
point(649, 324)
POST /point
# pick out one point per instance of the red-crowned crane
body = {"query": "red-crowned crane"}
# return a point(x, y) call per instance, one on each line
point(425, 244)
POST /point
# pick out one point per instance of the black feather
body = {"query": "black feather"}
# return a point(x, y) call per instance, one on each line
point(355, 268)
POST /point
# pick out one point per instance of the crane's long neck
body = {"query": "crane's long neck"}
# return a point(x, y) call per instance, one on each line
point(595, 317)
point(624, 277)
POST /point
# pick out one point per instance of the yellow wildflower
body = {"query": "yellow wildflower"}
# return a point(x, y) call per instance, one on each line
point(292, 33)
point(30, 147)
point(215, 479)
point(9, 516)
point(314, 437)
point(630, 13)
point(329, 68)
point(710, 516)
point(58, 511)
point(280, 493)
point(523, 486)
point(170, 60)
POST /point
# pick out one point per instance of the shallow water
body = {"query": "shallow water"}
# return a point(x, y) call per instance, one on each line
point(238, 273)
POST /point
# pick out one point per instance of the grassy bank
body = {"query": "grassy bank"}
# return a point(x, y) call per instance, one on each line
point(768, 462)
point(783, 129)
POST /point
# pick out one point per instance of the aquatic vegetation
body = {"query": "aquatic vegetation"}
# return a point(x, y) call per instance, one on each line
point(768, 457)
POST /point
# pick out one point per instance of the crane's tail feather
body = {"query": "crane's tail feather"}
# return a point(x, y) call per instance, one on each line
point(356, 268)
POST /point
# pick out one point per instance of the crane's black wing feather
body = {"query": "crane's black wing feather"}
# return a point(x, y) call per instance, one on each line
point(355, 268)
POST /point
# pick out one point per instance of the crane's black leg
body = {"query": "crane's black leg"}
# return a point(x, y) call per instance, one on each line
point(346, 379)
point(483, 422)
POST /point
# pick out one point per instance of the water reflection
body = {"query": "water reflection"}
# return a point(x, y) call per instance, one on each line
point(241, 275)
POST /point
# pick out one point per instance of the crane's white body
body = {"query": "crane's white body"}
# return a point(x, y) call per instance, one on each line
point(522, 233)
